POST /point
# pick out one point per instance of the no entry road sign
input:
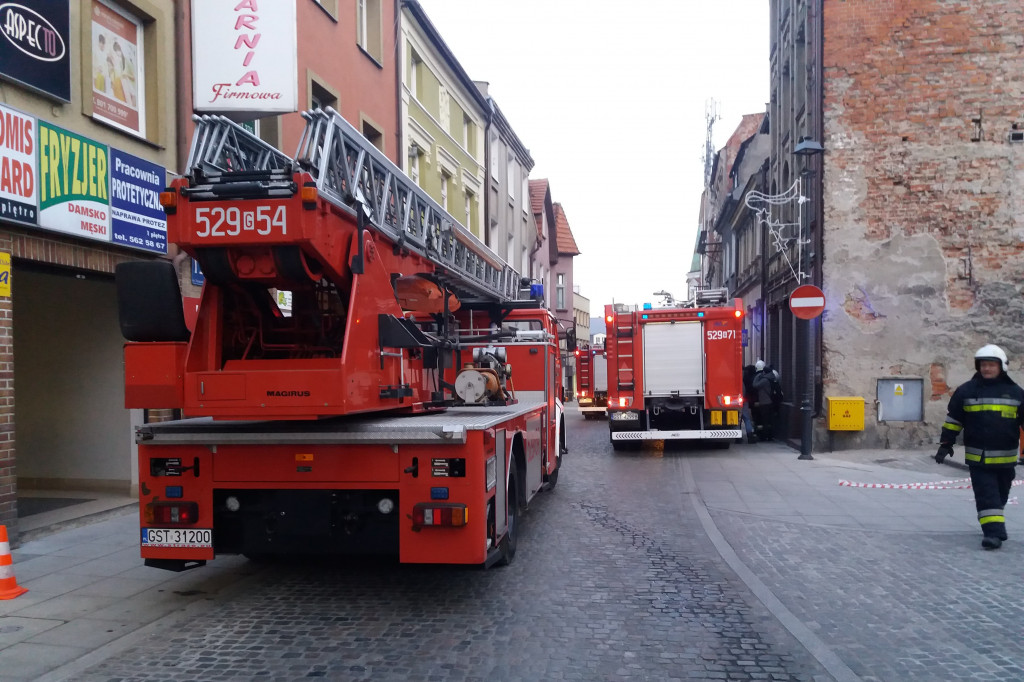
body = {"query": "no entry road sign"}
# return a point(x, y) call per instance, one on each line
point(807, 302)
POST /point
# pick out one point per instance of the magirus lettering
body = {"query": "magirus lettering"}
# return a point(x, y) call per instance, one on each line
point(288, 394)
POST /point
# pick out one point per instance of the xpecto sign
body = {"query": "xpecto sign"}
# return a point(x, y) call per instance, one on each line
point(35, 48)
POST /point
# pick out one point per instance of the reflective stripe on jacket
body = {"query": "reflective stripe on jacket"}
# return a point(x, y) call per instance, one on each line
point(989, 413)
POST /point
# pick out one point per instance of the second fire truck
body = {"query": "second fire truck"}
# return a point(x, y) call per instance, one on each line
point(592, 373)
point(675, 373)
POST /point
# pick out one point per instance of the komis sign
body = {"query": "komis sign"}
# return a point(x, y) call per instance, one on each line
point(245, 56)
point(35, 46)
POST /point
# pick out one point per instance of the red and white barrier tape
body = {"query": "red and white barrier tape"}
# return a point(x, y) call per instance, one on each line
point(937, 485)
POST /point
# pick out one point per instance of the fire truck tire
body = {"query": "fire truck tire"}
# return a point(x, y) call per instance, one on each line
point(511, 539)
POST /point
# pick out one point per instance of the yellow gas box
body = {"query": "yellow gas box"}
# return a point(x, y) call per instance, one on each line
point(845, 413)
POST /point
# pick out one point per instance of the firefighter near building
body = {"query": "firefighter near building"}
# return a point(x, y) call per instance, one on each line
point(405, 403)
point(592, 375)
point(675, 373)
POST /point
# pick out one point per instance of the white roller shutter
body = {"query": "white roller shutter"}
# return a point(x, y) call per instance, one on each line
point(673, 358)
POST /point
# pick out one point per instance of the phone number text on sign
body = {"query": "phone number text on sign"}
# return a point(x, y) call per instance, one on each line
point(232, 221)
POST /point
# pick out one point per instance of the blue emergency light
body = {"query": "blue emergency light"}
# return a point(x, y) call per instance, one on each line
point(647, 306)
point(537, 291)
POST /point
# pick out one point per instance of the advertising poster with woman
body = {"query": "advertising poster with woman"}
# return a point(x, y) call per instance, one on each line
point(118, 91)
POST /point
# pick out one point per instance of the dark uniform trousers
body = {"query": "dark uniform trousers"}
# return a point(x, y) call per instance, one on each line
point(991, 490)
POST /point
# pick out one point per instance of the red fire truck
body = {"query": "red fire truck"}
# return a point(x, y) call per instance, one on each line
point(378, 412)
point(592, 374)
point(675, 373)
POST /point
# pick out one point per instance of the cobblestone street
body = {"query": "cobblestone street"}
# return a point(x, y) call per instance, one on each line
point(615, 580)
point(677, 564)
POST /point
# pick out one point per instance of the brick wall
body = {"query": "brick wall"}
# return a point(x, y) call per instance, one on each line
point(924, 199)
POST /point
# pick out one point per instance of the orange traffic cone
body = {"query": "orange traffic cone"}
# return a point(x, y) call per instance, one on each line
point(9, 588)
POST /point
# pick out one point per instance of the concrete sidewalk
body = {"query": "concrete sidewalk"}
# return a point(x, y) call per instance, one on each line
point(90, 595)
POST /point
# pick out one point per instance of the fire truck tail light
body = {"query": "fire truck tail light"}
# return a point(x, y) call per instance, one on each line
point(435, 514)
point(172, 513)
point(622, 402)
point(739, 313)
point(583, 393)
point(728, 400)
point(609, 319)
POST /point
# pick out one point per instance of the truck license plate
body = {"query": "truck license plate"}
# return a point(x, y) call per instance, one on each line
point(177, 537)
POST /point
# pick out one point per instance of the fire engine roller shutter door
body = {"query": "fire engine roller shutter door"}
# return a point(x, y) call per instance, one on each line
point(673, 358)
point(599, 372)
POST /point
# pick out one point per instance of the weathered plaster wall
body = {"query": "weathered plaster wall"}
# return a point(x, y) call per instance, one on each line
point(921, 182)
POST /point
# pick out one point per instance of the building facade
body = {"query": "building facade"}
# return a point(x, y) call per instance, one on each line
point(924, 138)
point(443, 117)
point(88, 133)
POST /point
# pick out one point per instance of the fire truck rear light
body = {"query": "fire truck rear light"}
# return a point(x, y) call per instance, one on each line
point(609, 319)
point(172, 513)
point(739, 313)
point(622, 402)
point(728, 400)
point(439, 514)
point(583, 393)
point(169, 200)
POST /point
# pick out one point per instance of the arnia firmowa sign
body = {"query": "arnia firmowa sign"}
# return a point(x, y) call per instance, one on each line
point(35, 45)
point(244, 57)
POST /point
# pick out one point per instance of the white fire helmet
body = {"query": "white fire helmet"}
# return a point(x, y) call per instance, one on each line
point(759, 365)
point(991, 352)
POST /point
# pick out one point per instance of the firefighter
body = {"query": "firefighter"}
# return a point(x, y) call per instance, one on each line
point(767, 390)
point(988, 409)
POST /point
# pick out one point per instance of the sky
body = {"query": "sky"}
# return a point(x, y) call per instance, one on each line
point(611, 100)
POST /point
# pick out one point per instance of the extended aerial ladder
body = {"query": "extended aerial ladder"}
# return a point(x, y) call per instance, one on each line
point(258, 221)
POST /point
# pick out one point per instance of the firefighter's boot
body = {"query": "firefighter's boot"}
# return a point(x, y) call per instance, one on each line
point(990, 542)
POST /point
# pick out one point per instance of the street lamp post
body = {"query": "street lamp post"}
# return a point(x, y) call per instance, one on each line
point(806, 148)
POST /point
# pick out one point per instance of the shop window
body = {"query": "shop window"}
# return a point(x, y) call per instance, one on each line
point(118, 67)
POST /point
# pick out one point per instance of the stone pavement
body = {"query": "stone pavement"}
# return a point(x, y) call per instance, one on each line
point(877, 583)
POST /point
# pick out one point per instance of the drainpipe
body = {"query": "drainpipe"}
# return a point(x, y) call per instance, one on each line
point(400, 156)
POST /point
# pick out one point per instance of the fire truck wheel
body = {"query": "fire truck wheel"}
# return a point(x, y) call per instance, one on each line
point(553, 476)
point(511, 539)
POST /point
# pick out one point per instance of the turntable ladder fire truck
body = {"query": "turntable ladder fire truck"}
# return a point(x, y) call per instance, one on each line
point(675, 373)
point(593, 381)
point(378, 413)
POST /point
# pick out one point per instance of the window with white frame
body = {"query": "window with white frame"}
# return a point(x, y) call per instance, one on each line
point(495, 157)
point(511, 178)
point(445, 178)
point(469, 209)
point(414, 164)
point(368, 27)
point(560, 292)
point(415, 63)
point(526, 192)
